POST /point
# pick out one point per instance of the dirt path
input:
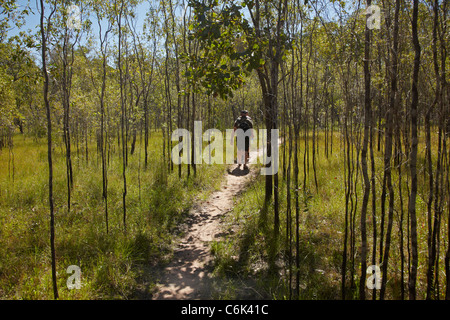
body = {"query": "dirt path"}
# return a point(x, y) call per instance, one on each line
point(188, 275)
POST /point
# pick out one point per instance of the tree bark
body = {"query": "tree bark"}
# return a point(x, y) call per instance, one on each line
point(413, 155)
point(367, 125)
point(49, 146)
point(390, 116)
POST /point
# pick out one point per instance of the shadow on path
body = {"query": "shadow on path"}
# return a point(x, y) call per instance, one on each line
point(239, 172)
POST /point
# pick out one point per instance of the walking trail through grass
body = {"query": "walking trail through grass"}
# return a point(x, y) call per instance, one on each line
point(189, 274)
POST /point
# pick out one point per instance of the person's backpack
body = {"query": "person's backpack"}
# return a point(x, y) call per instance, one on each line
point(245, 123)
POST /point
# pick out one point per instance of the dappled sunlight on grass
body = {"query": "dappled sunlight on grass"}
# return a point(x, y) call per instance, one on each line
point(157, 202)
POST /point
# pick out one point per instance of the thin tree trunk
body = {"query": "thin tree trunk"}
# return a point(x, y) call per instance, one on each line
point(123, 120)
point(296, 166)
point(347, 178)
point(447, 254)
point(413, 156)
point(103, 143)
point(390, 116)
point(400, 182)
point(367, 125)
point(49, 146)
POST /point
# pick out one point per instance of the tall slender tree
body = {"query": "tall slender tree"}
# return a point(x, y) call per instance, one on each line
point(44, 30)
point(364, 150)
point(413, 154)
point(390, 116)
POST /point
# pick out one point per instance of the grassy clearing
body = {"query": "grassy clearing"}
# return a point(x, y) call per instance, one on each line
point(248, 252)
point(111, 264)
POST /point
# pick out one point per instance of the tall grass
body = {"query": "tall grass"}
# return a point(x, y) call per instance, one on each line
point(247, 253)
point(111, 264)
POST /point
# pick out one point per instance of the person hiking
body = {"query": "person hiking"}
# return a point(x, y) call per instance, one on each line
point(245, 123)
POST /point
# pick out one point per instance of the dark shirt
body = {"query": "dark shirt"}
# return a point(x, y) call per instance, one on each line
point(241, 119)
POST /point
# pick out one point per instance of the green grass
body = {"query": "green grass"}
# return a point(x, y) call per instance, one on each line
point(111, 264)
point(119, 265)
point(252, 252)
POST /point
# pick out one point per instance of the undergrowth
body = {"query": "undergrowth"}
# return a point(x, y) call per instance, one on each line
point(111, 263)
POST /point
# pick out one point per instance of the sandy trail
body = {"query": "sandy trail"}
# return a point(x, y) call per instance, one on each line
point(188, 275)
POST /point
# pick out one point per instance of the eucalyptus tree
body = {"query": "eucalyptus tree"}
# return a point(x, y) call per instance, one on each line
point(103, 13)
point(44, 30)
point(235, 40)
point(66, 33)
point(120, 10)
point(413, 154)
point(390, 116)
point(437, 190)
point(146, 59)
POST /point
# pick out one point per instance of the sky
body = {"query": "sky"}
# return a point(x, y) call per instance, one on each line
point(32, 20)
